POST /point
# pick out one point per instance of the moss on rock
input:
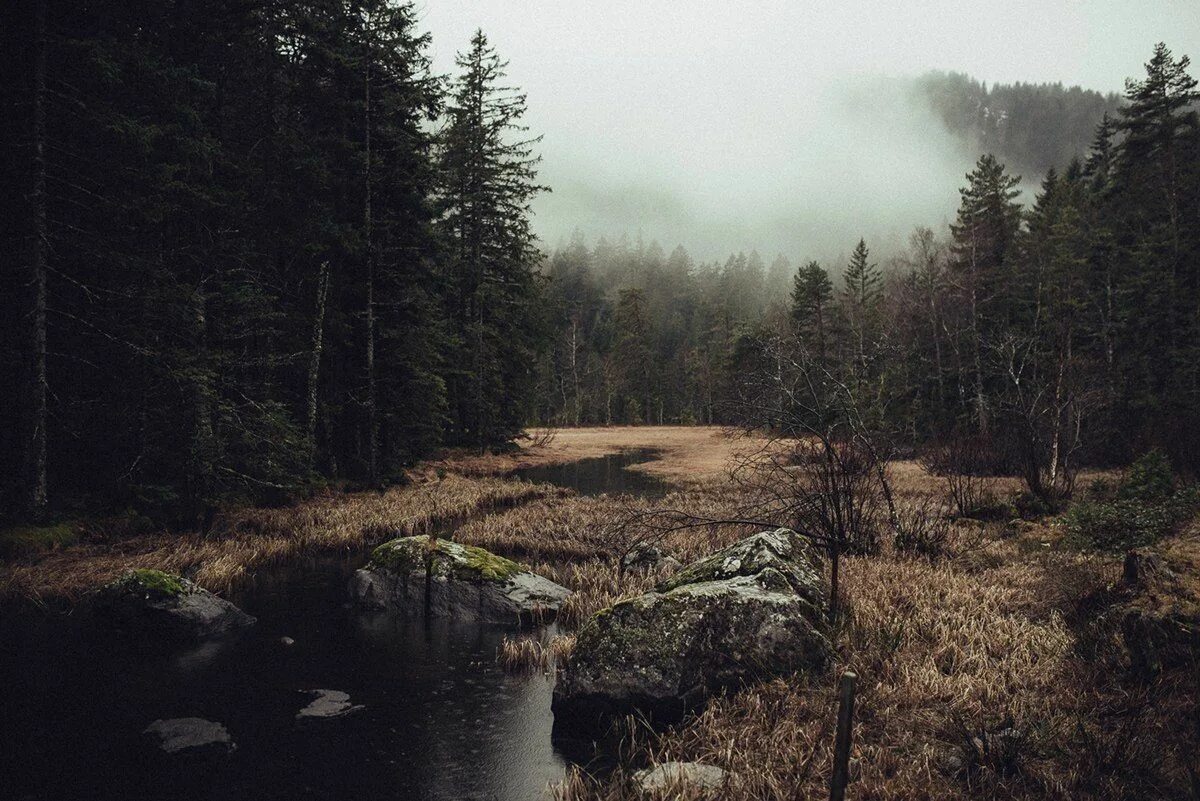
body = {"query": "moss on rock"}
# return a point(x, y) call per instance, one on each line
point(443, 558)
point(155, 582)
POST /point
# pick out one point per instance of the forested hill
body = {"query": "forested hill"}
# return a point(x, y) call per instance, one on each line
point(1029, 126)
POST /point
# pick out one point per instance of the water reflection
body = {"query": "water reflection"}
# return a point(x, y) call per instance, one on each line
point(602, 475)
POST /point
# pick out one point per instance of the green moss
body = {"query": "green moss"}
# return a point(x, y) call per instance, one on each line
point(445, 558)
point(487, 564)
point(156, 582)
point(29, 539)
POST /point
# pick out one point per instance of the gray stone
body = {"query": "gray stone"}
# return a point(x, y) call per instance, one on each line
point(328, 704)
point(682, 776)
point(151, 602)
point(179, 734)
point(754, 610)
point(649, 557)
point(449, 579)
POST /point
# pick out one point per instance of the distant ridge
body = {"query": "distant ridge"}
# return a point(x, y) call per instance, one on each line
point(1029, 126)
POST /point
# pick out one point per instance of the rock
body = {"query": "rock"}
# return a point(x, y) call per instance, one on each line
point(1160, 623)
point(179, 734)
point(754, 610)
point(286, 642)
point(681, 777)
point(449, 579)
point(648, 557)
point(163, 604)
point(328, 704)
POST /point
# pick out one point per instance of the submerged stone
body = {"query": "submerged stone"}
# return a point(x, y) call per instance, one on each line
point(752, 611)
point(328, 704)
point(449, 579)
point(156, 603)
point(179, 734)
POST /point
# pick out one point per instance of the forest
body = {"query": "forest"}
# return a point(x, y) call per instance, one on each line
point(280, 250)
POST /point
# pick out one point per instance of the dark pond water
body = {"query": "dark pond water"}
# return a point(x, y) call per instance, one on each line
point(604, 474)
point(440, 721)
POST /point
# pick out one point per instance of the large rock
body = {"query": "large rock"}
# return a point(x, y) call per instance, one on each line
point(151, 602)
point(754, 610)
point(449, 579)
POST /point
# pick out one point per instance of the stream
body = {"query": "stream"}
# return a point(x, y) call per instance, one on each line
point(438, 718)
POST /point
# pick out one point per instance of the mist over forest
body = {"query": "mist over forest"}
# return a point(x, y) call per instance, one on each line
point(875, 157)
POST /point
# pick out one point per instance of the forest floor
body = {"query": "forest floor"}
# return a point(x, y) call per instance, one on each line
point(995, 669)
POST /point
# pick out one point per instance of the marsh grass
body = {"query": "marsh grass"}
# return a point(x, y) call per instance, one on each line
point(252, 538)
point(527, 654)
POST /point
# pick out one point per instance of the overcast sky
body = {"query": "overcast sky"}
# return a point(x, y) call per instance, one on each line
point(730, 125)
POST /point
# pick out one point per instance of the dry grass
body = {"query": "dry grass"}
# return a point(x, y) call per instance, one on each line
point(685, 453)
point(992, 674)
point(252, 538)
point(523, 655)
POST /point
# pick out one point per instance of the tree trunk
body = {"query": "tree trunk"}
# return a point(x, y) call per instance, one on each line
point(203, 451)
point(372, 418)
point(314, 363)
point(38, 493)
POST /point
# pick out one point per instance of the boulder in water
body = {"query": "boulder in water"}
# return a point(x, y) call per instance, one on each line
point(156, 603)
point(328, 704)
point(754, 610)
point(449, 579)
point(180, 734)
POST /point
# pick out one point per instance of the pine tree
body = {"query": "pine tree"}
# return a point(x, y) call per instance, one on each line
point(489, 175)
point(812, 294)
point(983, 238)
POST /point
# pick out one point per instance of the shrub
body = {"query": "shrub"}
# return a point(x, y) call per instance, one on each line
point(1149, 480)
point(1146, 507)
point(923, 529)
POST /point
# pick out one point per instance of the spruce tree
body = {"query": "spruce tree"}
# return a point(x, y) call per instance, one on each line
point(812, 294)
point(489, 177)
point(982, 249)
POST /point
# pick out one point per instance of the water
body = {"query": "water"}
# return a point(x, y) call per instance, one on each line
point(439, 721)
point(600, 475)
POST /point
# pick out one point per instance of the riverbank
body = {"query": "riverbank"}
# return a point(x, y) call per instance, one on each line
point(247, 539)
point(444, 493)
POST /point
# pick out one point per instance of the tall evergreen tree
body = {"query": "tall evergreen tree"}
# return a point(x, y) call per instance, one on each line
point(983, 239)
point(812, 296)
point(489, 176)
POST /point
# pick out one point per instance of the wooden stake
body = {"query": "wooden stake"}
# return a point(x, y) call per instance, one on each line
point(841, 745)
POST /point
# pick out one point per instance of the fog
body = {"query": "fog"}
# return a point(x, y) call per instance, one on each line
point(781, 126)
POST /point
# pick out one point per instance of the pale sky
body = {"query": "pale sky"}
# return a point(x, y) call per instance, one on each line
point(727, 126)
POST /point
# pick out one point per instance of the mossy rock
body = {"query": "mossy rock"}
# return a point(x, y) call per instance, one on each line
point(443, 578)
point(443, 558)
point(782, 550)
point(157, 583)
point(157, 604)
point(753, 611)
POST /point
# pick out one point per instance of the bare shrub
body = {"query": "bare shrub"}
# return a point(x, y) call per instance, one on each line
point(965, 465)
point(923, 528)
